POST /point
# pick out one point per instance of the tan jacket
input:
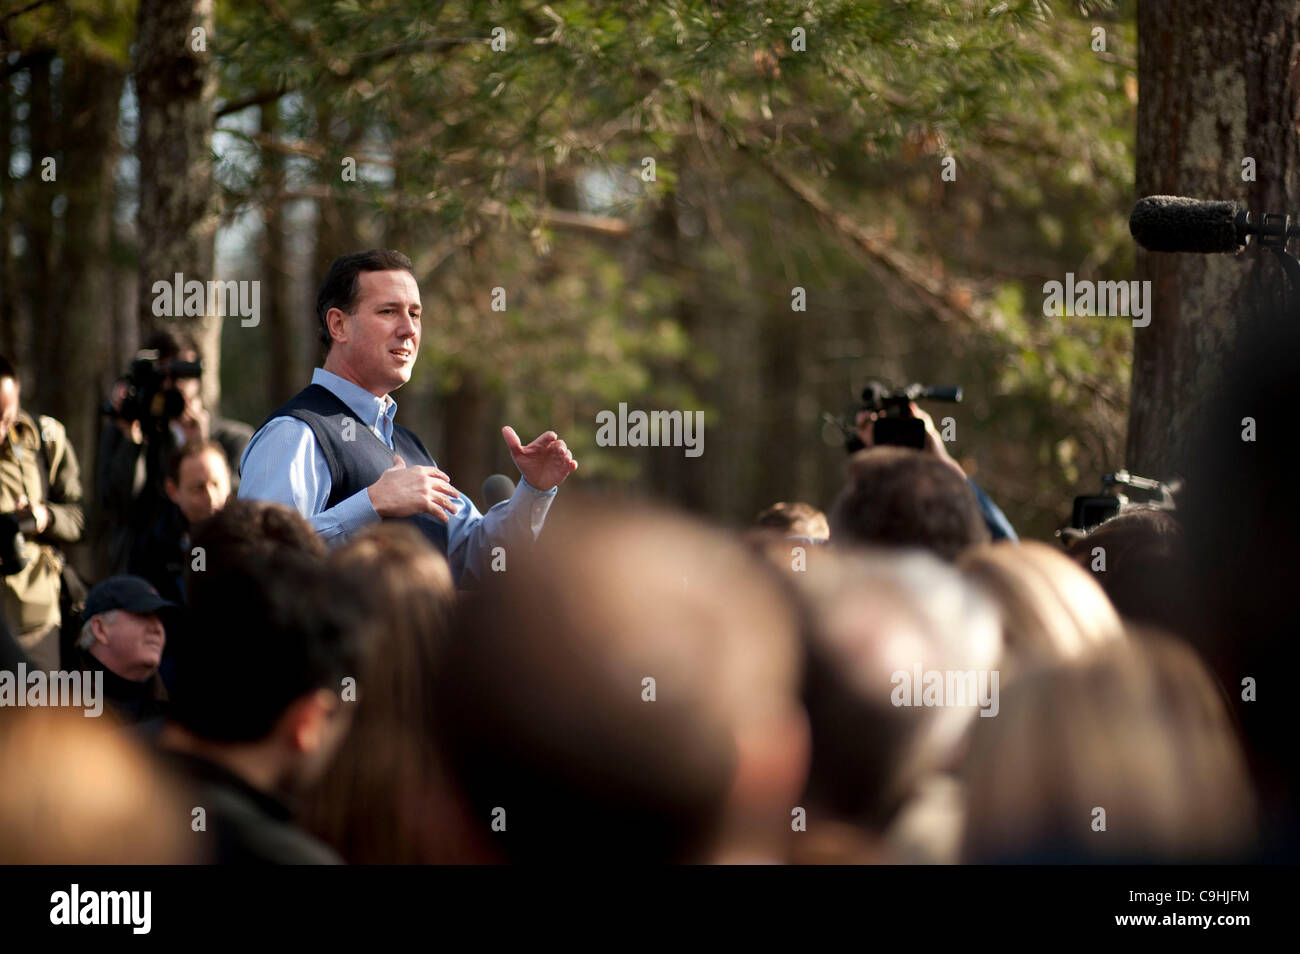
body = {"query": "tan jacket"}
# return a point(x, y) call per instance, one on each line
point(31, 597)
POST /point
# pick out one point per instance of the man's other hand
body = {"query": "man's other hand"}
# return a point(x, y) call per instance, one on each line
point(545, 463)
point(403, 491)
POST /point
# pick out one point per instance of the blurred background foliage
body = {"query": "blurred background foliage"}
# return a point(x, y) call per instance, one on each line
point(781, 159)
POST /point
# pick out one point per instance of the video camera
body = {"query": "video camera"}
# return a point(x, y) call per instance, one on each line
point(894, 423)
point(1121, 491)
point(148, 399)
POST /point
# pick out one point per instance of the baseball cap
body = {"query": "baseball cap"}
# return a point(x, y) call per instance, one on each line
point(131, 593)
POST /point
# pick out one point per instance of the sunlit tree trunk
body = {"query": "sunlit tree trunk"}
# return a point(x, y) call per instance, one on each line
point(1217, 85)
point(77, 330)
point(176, 84)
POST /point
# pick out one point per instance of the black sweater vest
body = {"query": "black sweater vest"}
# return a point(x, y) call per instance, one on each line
point(356, 457)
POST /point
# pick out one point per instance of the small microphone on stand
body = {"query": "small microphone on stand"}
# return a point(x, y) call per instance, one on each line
point(497, 488)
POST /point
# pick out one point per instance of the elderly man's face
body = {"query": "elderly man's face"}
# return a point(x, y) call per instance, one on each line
point(129, 644)
point(8, 406)
point(382, 335)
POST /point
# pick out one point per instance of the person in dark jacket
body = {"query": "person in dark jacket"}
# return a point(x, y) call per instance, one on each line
point(258, 703)
point(134, 459)
point(197, 486)
point(122, 637)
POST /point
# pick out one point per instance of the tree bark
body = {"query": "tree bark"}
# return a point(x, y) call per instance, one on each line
point(80, 325)
point(176, 85)
point(1217, 84)
point(285, 327)
point(8, 275)
point(36, 215)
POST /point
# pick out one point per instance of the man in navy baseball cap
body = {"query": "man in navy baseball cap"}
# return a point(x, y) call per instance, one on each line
point(123, 636)
point(130, 593)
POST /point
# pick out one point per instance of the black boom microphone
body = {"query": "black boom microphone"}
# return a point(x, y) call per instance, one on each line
point(497, 488)
point(1173, 223)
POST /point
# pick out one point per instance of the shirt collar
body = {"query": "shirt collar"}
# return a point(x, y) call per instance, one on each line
point(362, 403)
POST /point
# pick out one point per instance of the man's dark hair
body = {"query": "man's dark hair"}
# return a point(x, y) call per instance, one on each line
point(169, 344)
point(1144, 572)
point(900, 497)
point(245, 529)
point(264, 632)
point(192, 449)
point(341, 285)
point(7, 369)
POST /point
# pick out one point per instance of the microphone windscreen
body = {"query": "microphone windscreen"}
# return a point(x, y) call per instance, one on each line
point(1171, 223)
point(497, 488)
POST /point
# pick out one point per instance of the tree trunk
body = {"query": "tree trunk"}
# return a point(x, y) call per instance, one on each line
point(339, 224)
point(78, 327)
point(176, 85)
point(671, 475)
point(1216, 86)
point(286, 375)
point(37, 218)
point(8, 274)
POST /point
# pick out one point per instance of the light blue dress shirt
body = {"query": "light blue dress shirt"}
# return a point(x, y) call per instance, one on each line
point(284, 463)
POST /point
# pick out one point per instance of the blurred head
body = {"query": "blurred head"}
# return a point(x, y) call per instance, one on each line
point(80, 791)
point(794, 519)
point(388, 757)
point(369, 310)
point(900, 497)
point(10, 391)
point(273, 635)
point(1126, 755)
point(1241, 520)
point(874, 616)
point(171, 346)
point(628, 690)
point(198, 480)
point(1052, 611)
point(246, 529)
point(1138, 558)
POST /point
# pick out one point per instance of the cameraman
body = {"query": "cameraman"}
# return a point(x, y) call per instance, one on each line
point(40, 506)
point(136, 450)
point(999, 526)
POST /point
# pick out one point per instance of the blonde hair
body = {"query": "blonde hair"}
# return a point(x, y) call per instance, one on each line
point(1052, 610)
point(1138, 729)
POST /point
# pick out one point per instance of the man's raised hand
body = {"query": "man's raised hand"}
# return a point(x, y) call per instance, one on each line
point(544, 463)
point(403, 491)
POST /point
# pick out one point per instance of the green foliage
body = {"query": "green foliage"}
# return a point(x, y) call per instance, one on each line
point(93, 29)
point(465, 152)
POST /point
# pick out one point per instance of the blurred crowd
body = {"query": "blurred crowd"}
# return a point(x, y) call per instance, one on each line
point(884, 679)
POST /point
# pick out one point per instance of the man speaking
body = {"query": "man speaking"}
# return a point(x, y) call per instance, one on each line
point(334, 453)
